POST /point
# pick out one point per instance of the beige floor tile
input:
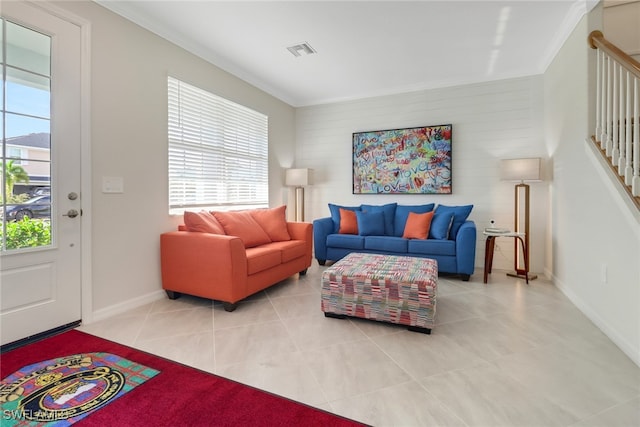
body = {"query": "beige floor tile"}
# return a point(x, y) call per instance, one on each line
point(291, 307)
point(184, 302)
point(247, 313)
point(405, 404)
point(483, 396)
point(466, 305)
point(584, 386)
point(316, 331)
point(485, 338)
point(353, 368)
point(143, 310)
point(451, 286)
point(424, 355)
point(372, 328)
point(252, 343)
point(285, 374)
point(291, 287)
point(123, 329)
point(180, 322)
point(625, 414)
point(518, 294)
point(195, 350)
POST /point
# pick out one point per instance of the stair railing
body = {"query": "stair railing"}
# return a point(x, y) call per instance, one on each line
point(618, 111)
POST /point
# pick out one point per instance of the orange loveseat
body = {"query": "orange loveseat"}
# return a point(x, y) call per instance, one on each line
point(227, 256)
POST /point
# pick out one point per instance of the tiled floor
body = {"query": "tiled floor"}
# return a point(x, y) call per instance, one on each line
point(501, 354)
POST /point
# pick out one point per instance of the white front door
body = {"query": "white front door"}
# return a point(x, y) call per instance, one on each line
point(40, 258)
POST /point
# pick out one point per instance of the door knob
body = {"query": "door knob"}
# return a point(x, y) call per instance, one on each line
point(72, 213)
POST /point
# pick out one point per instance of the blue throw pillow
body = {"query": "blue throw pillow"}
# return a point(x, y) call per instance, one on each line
point(335, 214)
point(402, 212)
point(460, 215)
point(370, 223)
point(441, 225)
point(389, 211)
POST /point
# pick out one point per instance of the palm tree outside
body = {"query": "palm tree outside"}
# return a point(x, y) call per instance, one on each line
point(13, 174)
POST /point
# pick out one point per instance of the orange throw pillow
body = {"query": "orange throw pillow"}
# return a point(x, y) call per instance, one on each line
point(202, 222)
point(348, 222)
point(273, 221)
point(417, 226)
point(241, 224)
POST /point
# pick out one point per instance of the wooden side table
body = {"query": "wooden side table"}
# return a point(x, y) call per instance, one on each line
point(490, 246)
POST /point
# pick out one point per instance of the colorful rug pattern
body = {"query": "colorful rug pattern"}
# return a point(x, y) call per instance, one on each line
point(395, 289)
point(64, 390)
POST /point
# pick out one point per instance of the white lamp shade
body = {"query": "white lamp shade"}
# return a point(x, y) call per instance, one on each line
point(298, 177)
point(520, 169)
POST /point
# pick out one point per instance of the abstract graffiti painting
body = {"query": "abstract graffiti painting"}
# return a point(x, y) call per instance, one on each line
point(403, 161)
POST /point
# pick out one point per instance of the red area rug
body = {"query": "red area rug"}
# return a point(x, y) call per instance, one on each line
point(174, 395)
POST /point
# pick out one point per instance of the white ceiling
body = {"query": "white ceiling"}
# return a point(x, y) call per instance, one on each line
point(364, 48)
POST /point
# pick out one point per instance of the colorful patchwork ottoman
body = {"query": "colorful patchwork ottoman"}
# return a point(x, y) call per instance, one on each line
point(386, 288)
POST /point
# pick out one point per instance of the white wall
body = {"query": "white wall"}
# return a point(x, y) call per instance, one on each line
point(621, 25)
point(590, 229)
point(491, 121)
point(129, 68)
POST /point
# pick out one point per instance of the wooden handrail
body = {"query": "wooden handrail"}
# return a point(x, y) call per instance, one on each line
point(597, 41)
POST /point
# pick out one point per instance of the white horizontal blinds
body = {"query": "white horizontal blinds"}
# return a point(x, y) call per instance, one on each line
point(218, 151)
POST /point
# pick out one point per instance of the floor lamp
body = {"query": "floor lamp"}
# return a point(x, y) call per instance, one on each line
point(521, 170)
point(298, 178)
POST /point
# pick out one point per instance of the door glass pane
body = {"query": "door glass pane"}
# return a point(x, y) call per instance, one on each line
point(19, 125)
point(26, 198)
point(2, 86)
point(28, 49)
point(27, 93)
point(2, 41)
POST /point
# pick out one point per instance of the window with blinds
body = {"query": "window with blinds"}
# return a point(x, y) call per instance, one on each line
point(218, 152)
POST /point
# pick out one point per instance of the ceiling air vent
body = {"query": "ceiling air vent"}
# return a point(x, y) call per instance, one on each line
point(299, 49)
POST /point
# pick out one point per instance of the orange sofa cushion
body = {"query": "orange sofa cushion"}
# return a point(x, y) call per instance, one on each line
point(262, 258)
point(290, 249)
point(241, 224)
point(348, 222)
point(202, 222)
point(273, 221)
point(417, 225)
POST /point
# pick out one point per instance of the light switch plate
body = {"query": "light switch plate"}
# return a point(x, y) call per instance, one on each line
point(112, 184)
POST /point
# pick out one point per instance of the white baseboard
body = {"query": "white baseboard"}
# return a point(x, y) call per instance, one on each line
point(131, 304)
point(622, 343)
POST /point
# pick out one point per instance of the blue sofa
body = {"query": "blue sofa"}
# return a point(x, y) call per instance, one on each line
point(380, 228)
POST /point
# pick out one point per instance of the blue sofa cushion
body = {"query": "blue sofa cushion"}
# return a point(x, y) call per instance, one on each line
point(432, 247)
point(402, 212)
point(346, 241)
point(460, 215)
point(440, 225)
point(370, 223)
point(335, 214)
point(389, 212)
point(386, 244)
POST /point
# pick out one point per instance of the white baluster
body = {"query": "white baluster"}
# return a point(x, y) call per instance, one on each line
point(635, 185)
point(609, 142)
point(603, 102)
point(615, 152)
point(628, 170)
point(621, 123)
point(598, 96)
